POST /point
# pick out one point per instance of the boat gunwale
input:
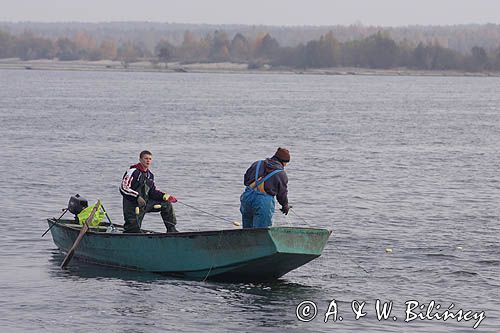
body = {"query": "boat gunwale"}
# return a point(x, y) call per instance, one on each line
point(52, 221)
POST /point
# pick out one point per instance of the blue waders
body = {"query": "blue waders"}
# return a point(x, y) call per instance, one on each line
point(257, 207)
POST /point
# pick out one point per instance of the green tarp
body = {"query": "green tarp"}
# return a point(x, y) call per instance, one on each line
point(98, 216)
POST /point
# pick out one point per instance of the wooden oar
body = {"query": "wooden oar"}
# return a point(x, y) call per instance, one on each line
point(60, 217)
point(85, 227)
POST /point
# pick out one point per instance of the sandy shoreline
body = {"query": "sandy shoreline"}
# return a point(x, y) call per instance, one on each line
point(146, 66)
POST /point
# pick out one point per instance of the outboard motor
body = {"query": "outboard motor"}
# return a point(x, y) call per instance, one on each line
point(77, 203)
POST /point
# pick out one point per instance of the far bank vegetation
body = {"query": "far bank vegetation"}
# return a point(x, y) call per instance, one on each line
point(378, 50)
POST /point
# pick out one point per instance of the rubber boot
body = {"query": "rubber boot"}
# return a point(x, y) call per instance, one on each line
point(171, 227)
point(168, 216)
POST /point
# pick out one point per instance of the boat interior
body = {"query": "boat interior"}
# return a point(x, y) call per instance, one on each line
point(103, 227)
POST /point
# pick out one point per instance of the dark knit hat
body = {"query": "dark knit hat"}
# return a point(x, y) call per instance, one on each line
point(282, 154)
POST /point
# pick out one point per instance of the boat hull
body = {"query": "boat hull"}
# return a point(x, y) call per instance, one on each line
point(231, 255)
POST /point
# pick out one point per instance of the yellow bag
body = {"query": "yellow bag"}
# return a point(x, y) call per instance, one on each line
point(98, 216)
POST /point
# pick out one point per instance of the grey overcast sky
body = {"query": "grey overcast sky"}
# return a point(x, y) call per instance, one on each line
point(266, 12)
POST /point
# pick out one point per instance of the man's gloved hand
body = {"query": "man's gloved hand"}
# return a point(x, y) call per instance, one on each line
point(169, 198)
point(141, 202)
point(284, 209)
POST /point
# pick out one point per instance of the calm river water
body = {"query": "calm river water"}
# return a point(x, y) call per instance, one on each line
point(402, 163)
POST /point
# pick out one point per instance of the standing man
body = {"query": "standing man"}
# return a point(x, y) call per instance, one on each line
point(264, 180)
point(139, 190)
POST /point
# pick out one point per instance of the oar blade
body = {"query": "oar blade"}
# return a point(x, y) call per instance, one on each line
point(85, 227)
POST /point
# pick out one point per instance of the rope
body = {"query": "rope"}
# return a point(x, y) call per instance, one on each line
point(293, 211)
point(285, 220)
point(213, 256)
point(220, 235)
point(357, 264)
point(190, 215)
point(341, 252)
point(200, 210)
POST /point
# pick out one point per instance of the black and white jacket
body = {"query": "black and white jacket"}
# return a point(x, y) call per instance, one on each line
point(139, 182)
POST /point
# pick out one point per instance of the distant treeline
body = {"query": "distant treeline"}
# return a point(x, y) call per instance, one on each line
point(378, 50)
point(460, 38)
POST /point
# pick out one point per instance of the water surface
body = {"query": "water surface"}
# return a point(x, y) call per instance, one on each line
point(406, 163)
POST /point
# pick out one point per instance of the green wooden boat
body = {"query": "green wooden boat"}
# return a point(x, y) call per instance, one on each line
point(229, 255)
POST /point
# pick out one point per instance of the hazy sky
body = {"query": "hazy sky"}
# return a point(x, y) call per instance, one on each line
point(267, 12)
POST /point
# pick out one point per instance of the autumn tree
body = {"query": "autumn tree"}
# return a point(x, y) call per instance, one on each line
point(87, 46)
point(84, 41)
point(7, 42)
point(422, 57)
point(435, 57)
point(203, 48)
point(444, 58)
point(352, 54)
point(129, 52)
point(29, 47)
point(379, 51)
point(189, 49)
point(219, 48)
point(239, 49)
point(313, 54)
point(405, 58)
point(67, 50)
point(496, 59)
point(164, 51)
point(478, 60)
point(108, 49)
point(294, 57)
point(329, 49)
point(266, 48)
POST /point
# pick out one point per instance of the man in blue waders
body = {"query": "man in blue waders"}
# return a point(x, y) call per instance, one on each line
point(264, 180)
